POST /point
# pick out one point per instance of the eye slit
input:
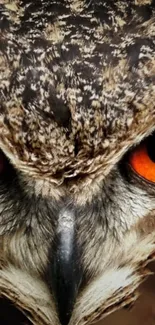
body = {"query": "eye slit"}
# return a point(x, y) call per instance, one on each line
point(142, 159)
point(151, 147)
point(7, 171)
point(3, 162)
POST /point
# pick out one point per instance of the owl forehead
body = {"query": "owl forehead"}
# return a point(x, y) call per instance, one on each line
point(76, 79)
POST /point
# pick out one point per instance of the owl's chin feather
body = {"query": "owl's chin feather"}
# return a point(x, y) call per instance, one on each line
point(29, 295)
point(111, 290)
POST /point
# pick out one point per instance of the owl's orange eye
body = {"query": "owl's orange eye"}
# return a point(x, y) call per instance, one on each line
point(142, 159)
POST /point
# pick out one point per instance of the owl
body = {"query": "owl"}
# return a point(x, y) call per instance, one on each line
point(77, 159)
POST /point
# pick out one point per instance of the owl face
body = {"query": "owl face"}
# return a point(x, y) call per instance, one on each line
point(77, 162)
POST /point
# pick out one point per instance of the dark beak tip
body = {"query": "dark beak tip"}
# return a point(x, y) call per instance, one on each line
point(66, 295)
point(65, 280)
point(64, 319)
point(65, 272)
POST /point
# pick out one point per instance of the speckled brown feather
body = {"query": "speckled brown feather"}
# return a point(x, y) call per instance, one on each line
point(76, 82)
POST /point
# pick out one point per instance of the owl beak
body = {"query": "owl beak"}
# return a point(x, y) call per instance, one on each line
point(66, 271)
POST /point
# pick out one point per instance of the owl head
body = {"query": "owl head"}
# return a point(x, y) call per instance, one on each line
point(77, 159)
